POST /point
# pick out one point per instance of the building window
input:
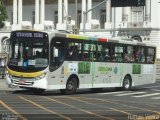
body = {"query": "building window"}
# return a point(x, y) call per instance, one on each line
point(137, 16)
point(102, 18)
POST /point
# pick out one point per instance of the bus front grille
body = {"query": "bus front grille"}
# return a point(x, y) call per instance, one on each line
point(22, 82)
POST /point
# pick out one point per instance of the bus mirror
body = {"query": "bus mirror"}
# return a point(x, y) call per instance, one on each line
point(55, 52)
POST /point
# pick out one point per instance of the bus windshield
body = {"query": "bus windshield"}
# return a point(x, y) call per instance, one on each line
point(28, 54)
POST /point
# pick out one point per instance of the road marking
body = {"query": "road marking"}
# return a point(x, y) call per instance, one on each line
point(88, 112)
point(155, 98)
point(108, 93)
point(103, 101)
point(156, 90)
point(43, 108)
point(114, 102)
point(151, 87)
point(147, 95)
point(132, 93)
point(127, 113)
point(13, 111)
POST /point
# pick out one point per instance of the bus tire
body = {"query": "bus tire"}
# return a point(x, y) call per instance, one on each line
point(71, 87)
point(127, 83)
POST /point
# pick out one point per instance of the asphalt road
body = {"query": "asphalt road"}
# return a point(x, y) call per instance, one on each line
point(140, 103)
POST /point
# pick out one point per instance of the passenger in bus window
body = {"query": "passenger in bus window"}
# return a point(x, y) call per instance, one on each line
point(73, 53)
point(141, 56)
point(132, 58)
point(137, 54)
point(44, 53)
point(152, 59)
point(94, 56)
point(38, 54)
point(70, 52)
point(107, 56)
point(119, 57)
point(100, 56)
point(129, 57)
point(85, 55)
point(126, 58)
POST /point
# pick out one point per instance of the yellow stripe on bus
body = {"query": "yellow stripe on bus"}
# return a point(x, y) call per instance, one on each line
point(23, 74)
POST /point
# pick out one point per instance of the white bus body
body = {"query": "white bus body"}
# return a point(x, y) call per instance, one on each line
point(71, 74)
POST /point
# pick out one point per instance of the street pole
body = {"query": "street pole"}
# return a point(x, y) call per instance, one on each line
point(114, 25)
point(76, 14)
point(85, 13)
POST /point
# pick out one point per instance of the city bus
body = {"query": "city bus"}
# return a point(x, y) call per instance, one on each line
point(42, 61)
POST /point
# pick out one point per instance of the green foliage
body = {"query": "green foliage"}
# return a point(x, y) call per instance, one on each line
point(3, 14)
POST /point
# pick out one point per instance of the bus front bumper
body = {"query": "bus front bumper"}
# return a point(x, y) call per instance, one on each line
point(40, 84)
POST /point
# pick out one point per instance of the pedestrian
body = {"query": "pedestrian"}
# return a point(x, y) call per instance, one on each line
point(3, 63)
point(0, 62)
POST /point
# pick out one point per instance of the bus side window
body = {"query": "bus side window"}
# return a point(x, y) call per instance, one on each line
point(137, 54)
point(100, 53)
point(70, 53)
point(73, 51)
point(150, 55)
point(119, 55)
point(140, 57)
point(107, 54)
point(129, 56)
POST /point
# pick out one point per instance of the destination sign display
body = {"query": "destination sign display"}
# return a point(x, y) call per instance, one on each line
point(28, 34)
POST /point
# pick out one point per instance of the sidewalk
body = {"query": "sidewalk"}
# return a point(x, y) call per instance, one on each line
point(4, 87)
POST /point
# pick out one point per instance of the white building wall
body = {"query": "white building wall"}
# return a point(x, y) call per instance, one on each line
point(155, 16)
point(50, 9)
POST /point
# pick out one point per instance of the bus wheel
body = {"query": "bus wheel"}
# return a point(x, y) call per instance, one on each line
point(127, 83)
point(71, 87)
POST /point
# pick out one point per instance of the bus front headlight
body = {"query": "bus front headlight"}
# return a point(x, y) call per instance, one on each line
point(41, 76)
point(9, 75)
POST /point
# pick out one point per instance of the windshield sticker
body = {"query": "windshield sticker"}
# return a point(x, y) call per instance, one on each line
point(147, 69)
point(72, 67)
point(84, 67)
point(41, 62)
point(66, 71)
point(25, 63)
point(13, 62)
point(31, 62)
point(104, 70)
point(136, 69)
point(20, 63)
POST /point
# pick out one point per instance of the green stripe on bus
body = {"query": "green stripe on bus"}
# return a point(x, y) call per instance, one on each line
point(121, 71)
point(93, 72)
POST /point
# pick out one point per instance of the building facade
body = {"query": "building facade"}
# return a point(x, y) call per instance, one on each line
point(138, 22)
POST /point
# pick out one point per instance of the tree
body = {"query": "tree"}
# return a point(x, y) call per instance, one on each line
point(3, 14)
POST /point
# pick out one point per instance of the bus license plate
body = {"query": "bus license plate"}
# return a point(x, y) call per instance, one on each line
point(22, 82)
